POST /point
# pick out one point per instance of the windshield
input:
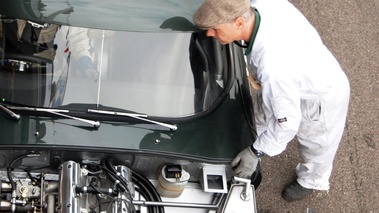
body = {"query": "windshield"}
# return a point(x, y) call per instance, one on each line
point(159, 74)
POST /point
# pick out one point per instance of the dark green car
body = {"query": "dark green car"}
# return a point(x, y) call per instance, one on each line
point(118, 106)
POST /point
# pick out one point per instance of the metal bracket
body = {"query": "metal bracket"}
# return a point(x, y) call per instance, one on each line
point(241, 197)
point(245, 194)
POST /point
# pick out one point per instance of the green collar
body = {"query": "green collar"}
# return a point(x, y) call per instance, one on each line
point(255, 31)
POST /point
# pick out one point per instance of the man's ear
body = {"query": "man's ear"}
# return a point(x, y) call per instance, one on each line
point(239, 22)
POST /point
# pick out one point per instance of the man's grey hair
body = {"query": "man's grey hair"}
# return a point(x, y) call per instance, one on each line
point(248, 14)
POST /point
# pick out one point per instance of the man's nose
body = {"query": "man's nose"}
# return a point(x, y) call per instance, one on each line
point(210, 33)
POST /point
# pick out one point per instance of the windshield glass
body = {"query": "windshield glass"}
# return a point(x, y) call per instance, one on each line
point(160, 74)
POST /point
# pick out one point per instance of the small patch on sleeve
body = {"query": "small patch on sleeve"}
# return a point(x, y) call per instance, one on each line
point(282, 120)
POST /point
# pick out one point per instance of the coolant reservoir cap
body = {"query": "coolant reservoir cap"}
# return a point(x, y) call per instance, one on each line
point(184, 176)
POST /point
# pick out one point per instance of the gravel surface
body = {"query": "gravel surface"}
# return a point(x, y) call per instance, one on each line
point(350, 29)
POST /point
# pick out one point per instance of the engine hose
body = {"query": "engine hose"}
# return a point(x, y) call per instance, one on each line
point(9, 174)
point(150, 189)
point(145, 193)
point(111, 173)
point(147, 189)
point(147, 183)
point(10, 167)
point(124, 183)
point(122, 180)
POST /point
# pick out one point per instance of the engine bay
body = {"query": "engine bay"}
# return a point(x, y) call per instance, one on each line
point(90, 182)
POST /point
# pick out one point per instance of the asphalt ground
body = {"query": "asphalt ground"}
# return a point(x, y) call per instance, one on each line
point(350, 29)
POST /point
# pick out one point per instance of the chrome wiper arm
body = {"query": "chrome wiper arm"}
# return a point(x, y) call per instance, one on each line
point(142, 117)
point(94, 123)
point(106, 112)
point(36, 109)
point(12, 114)
point(57, 112)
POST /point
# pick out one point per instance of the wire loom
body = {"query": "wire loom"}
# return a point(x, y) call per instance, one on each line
point(143, 186)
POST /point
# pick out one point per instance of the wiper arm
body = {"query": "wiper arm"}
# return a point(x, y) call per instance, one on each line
point(12, 114)
point(141, 117)
point(57, 112)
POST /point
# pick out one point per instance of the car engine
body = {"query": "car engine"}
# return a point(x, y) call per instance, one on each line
point(67, 181)
point(87, 187)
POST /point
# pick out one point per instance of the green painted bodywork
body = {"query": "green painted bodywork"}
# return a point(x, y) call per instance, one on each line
point(217, 135)
point(141, 15)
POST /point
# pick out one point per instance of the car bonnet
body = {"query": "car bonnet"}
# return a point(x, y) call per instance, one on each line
point(142, 15)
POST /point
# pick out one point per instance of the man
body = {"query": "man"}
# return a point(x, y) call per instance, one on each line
point(303, 91)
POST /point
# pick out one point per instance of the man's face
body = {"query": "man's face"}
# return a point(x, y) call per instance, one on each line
point(223, 33)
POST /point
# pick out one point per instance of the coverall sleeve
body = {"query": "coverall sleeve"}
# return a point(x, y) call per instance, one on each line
point(281, 96)
point(78, 41)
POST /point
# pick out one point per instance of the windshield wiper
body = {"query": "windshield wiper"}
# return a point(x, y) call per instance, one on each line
point(12, 114)
point(141, 117)
point(56, 112)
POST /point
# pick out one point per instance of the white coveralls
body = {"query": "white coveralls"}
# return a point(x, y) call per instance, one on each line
point(304, 92)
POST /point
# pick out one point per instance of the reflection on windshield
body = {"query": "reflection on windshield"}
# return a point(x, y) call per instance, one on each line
point(159, 74)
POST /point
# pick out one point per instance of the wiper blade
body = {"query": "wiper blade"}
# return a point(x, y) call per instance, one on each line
point(142, 117)
point(56, 112)
point(12, 114)
point(36, 109)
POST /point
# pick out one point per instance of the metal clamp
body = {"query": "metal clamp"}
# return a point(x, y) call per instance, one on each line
point(245, 194)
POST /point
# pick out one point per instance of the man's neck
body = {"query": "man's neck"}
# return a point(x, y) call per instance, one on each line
point(248, 30)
